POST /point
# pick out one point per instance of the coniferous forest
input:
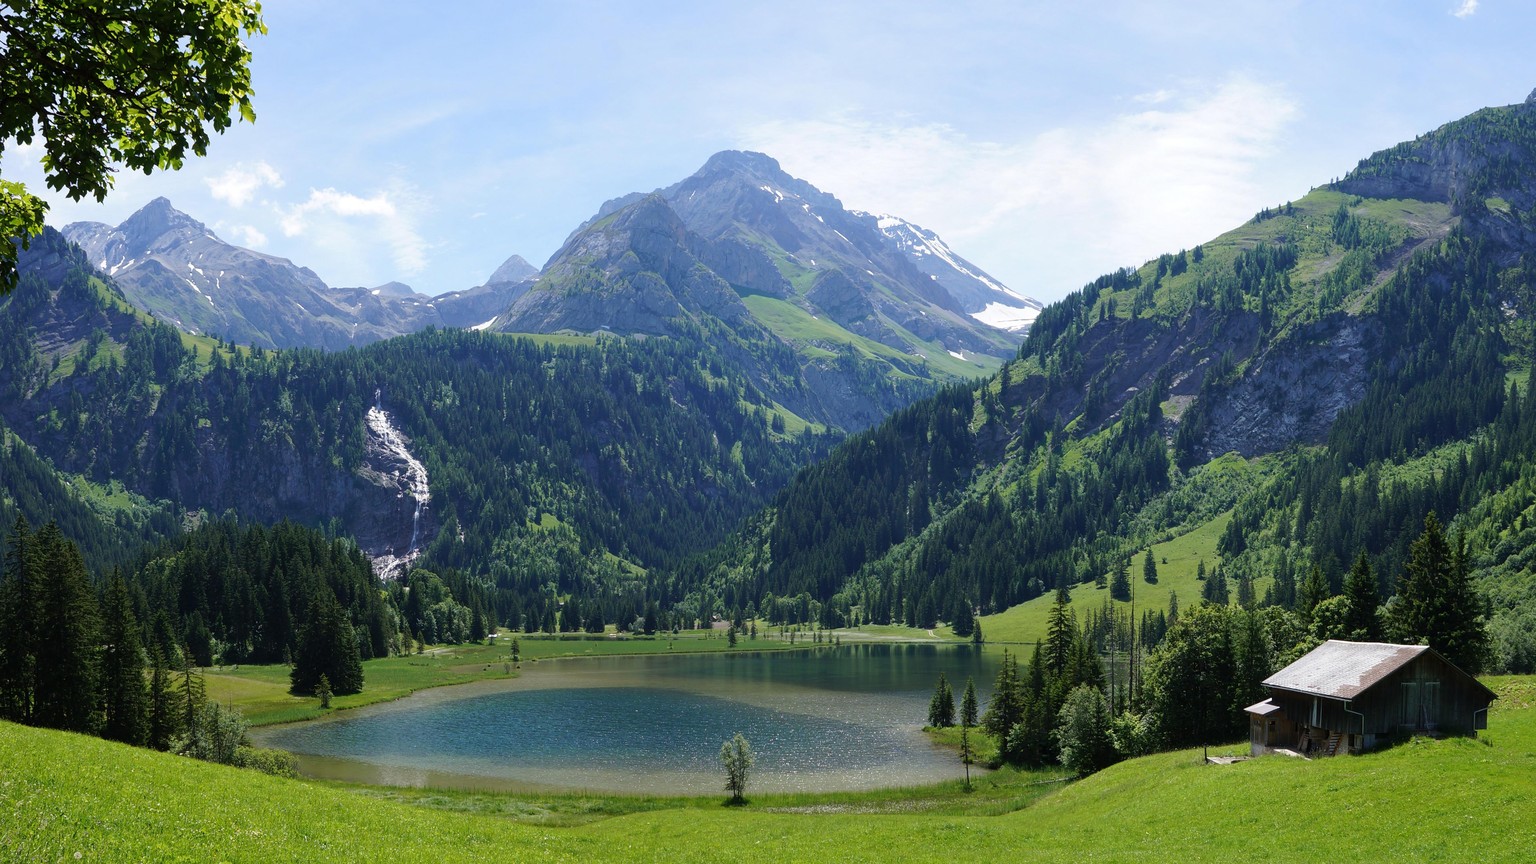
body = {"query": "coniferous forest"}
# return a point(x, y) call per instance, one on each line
point(1367, 371)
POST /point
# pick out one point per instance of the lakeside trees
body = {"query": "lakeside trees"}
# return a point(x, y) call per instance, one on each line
point(736, 758)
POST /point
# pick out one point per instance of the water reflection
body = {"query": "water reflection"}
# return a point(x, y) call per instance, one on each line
point(834, 718)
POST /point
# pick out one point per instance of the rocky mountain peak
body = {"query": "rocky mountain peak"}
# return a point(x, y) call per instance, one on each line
point(155, 220)
point(742, 162)
point(1531, 99)
point(514, 269)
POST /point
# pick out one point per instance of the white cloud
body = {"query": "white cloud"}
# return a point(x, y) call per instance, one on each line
point(1466, 9)
point(332, 215)
point(250, 236)
point(238, 185)
point(1050, 211)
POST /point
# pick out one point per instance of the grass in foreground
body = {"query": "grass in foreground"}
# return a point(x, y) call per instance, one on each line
point(1450, 800)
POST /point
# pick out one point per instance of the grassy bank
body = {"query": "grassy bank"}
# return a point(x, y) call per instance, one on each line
point(261, 692)
point(1450, 800)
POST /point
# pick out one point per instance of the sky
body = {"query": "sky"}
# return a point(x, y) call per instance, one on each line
point(1047, 142)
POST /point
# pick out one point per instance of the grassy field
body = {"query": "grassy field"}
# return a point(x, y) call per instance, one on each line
point(67, 797)
point(1177, 574)
point(261, 692)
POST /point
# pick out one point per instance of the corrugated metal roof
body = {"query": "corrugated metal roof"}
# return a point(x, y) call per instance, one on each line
point(1262, 709)
point(1343, 670)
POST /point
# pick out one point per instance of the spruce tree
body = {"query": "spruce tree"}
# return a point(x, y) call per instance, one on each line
point(328, 646)
point(1006, 707)
point(1149, 568)
point(1435, 602)
point(19, 616)
point(125, 694)
point(1060, 638)
point(164, 714)
point(1312, 591)
point(941, 707)
point(1360, 588)
point(964, 622)
point(968, 707)
point(68, 638)
point(1120, 582)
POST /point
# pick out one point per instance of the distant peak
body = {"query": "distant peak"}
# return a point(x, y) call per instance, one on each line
point(1531, 99)
point(514, 269)
point(156, 218)
point(741, 161)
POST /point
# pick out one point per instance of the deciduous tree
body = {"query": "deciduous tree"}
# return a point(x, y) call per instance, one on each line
point(736, 759)
point(136, 83)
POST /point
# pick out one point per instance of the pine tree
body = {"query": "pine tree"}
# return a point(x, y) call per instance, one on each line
point(1060, 638)
point(1435, 602)
point(125, 694)
point(968, 707)
point(1360, 588)
point(1245, 595)
point(163, 714)
point(1312, 591)
point(1214, 591)
point(1006, 707)
point(327, 647)
point(19, 617)
point(68, 638)
point(1120, 582)
point(964, 619)
point(1149, 568)
point(941, 708)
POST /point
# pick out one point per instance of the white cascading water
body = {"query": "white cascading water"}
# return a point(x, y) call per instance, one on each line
point(415, 472)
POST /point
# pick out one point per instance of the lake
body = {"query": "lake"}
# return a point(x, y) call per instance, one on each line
point(818, 720)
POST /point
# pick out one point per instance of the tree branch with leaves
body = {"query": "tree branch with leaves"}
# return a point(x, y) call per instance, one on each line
point(135, 83)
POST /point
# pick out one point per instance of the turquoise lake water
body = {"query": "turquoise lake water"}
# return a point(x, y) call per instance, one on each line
point(835, 718)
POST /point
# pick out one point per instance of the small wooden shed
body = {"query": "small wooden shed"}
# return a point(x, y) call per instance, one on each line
point(1350, 696)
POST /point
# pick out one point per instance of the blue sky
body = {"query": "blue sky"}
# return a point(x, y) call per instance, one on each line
point(1046, 142)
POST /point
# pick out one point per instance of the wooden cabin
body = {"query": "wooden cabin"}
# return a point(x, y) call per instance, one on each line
point(1351, 696)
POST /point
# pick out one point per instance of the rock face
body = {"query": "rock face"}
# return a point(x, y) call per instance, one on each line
point(1531, 99)
point(1440, 165)
point(513, 270)
point(172, 266)
point(981, 296)
point(632, 273)
point(1296, 388)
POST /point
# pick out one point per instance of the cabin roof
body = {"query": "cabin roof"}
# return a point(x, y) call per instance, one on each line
point(1262, 709)
point(1343, 670)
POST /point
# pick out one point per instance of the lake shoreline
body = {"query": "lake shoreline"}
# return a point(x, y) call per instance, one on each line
point(840, 720)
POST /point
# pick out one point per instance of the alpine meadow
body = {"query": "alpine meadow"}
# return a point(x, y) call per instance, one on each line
point(760, 522)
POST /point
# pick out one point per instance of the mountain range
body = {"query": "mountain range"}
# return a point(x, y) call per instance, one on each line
point(875, 311)
point(1285, 397)
point(174, 267)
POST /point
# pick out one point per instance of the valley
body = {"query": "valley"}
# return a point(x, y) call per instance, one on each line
point(490, 571)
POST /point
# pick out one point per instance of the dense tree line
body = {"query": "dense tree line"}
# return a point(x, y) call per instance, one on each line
point(80, 657)
point(243, 593)
point(546, 461)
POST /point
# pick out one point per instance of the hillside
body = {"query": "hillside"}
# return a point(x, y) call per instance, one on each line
point(71, 795)
point(558, 466)
point(1362, 358)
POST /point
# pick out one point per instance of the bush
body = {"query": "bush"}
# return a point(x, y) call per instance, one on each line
point(278, 763)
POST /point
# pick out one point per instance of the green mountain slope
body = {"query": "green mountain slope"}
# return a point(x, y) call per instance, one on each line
point(554, 468)
point(1336, 342)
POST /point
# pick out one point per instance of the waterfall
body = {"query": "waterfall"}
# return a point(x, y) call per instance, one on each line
point(415, 472)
